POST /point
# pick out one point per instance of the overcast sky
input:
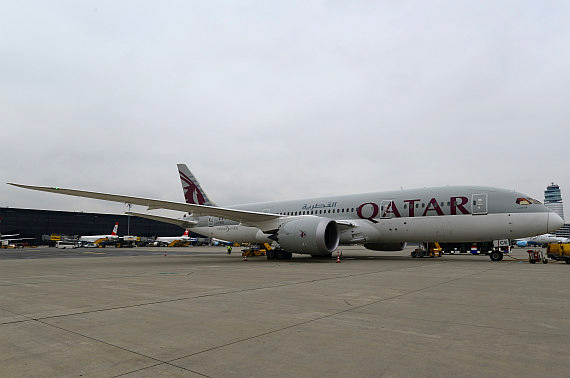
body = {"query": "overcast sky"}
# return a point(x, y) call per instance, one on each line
point(281, 100)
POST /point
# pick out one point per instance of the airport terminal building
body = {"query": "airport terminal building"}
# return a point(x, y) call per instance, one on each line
point(36, 224)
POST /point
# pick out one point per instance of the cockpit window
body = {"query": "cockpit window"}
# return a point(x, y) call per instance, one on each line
point(527, 201)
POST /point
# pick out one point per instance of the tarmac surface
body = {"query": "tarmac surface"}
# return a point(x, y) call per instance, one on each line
point(200, 312)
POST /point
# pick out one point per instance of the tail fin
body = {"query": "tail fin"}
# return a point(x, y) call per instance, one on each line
point(114, 233)
point(186, 232)
point(193, 192)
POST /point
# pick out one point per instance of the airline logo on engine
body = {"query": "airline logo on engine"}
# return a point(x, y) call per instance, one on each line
point(303, 234)
point(371, 210)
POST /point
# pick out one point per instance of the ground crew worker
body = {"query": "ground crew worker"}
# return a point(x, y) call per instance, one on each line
point(229, 249)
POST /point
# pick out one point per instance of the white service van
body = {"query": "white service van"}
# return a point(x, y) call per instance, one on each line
point(65, 244)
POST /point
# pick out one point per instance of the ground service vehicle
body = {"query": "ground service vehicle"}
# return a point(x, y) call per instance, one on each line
point(560, 252)
point(494, 249)
point(65, 244)
point(428, 250)
point(535, 256)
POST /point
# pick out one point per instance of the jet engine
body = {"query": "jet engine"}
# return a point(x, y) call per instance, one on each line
point(385, 246)
point(309, 235)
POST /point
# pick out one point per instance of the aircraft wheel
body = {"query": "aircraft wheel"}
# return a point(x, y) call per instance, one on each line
point(496, 256)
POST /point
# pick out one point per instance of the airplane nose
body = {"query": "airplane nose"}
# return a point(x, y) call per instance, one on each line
point(554, 222)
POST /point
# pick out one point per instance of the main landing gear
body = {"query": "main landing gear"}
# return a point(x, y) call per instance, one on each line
point(278, 254)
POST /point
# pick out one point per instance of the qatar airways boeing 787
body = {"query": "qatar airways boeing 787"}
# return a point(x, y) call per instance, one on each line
point(380, 221)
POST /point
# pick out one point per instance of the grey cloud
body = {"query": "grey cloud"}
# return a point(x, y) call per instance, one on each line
point(270, 100)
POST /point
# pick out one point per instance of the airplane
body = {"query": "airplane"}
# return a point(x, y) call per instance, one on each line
point(97, 239)
point(7, 240)
point(169, 240)
point(383, 221)
point(540, 240)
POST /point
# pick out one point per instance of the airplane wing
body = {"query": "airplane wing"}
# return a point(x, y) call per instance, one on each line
point(179, 222)
point(264, 221)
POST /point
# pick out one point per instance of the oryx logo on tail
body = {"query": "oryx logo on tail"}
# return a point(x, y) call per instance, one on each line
point(193, 193)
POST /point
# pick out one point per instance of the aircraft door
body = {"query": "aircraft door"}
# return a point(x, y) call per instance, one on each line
point(386, 210)
point(479, 204)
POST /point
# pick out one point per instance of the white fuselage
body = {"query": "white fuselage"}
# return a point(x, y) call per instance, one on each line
point(170, 239)
point(95, 238)
point(448, 214)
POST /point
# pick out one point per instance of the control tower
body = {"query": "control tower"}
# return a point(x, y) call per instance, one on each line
point(553, 199)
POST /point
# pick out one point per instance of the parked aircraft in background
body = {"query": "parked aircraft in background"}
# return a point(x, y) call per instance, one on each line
point(10, 241)
point(382, 221)
point(540, 240)
point(169, 240)
point(96, 239)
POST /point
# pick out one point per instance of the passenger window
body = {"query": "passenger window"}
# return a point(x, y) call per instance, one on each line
point(352, 210)
point(423, 205)
point(417, 205)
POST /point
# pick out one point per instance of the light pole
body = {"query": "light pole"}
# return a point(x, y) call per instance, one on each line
point(129, 205)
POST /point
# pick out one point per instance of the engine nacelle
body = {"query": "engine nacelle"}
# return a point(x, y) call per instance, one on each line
point(385, 246)
point(309, 235)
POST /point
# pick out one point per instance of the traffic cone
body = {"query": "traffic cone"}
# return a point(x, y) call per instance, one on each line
point(245, 258)
point(165, 253)
point(338, 257)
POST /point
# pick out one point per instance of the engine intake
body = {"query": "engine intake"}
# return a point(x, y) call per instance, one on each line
point(309, 235)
